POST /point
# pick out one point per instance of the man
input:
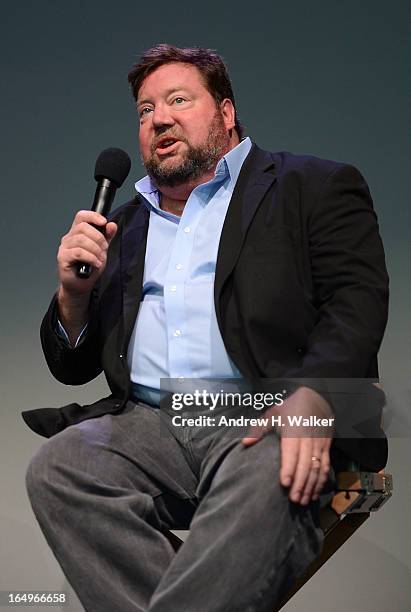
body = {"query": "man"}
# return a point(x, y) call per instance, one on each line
point(231, 262)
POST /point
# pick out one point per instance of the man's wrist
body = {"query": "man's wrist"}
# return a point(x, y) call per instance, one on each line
point(73, 311)
point(315, 399)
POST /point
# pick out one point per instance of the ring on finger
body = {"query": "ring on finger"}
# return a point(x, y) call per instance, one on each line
point(316, 463)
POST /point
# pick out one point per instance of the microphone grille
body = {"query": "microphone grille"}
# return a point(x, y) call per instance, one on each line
point(113, 164)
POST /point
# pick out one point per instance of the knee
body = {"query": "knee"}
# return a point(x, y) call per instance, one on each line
point(262, 458)
point(36, 477)
point(254, 469)
point(44, 465)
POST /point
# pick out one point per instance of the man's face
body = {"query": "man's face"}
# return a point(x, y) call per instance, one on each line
point(183, 133)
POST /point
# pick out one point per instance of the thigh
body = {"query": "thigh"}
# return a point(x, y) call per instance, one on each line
point(248, 469)
point(252, 469)
point(129, 449)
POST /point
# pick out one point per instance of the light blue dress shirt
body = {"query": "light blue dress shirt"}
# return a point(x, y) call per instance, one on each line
point(176, 334)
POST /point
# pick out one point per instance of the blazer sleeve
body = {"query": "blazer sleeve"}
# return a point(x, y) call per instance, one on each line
point(72, 366)
point(350, 280)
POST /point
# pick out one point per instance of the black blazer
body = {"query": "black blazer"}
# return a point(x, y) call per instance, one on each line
point(301, 292)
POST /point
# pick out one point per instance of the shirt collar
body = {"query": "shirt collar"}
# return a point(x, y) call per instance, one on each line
point(234, 159)
point(230, 164)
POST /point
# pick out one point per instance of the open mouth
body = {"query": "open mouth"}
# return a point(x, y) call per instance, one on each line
point(166, 145)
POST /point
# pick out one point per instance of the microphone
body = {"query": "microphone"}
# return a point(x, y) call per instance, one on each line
point(112, 168)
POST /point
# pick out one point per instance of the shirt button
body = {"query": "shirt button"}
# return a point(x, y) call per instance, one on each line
point(121, 355)
point(173, 288)
point(177, 332)
point(187, 230)
point(179, 267)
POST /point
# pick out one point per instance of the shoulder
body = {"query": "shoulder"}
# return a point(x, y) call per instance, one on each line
point(307, 184)
point(303, 167)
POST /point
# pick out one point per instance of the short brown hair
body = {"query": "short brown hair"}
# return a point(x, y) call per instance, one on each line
point(209, 63)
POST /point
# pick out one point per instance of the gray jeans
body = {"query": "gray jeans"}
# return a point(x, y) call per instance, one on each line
point(106, 491)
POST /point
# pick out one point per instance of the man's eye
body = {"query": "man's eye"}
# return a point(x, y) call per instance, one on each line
point(179, 100)
point(145, 111)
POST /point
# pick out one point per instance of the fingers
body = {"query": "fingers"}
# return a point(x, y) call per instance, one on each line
point(255, 434)
point(90, 217)
point(87, 242)
point(302, 469)
point(83, 246)
point(250, 441)
point(289, 460)
point(111, 230)
point(307, 472)
point(323, 474)
point(307, 477)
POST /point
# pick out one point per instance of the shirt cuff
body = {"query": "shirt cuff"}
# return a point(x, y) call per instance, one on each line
point(60, 331)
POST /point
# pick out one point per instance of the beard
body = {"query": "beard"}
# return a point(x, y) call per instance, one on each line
point(196, 162)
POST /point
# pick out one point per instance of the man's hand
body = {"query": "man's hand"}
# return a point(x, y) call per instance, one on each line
point(83, 243)
point(305, 451)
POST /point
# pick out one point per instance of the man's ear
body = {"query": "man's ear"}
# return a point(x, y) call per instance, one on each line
point(228, 113)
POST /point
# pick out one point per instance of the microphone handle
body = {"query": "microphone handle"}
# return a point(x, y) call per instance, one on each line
point(103, 199)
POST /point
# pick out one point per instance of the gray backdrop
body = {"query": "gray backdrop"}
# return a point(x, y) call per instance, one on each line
point(326, 78)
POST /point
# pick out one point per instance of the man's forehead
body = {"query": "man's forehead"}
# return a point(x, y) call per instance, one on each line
point(169, 78)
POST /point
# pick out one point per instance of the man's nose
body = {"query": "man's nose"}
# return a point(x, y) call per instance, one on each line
point(162, 116)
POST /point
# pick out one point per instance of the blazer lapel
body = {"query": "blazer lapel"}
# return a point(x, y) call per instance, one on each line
point(133, 249)
point(256, 177)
